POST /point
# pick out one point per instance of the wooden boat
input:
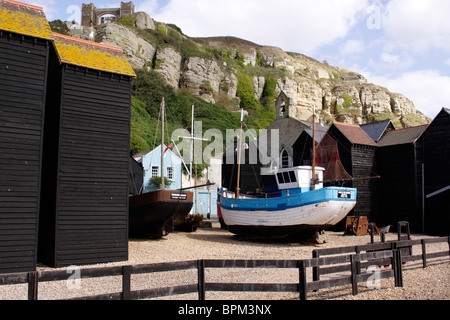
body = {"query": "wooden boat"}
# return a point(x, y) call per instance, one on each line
point(153, 214)
point(297, 207)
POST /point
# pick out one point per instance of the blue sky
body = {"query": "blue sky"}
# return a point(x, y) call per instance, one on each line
point(403, 45)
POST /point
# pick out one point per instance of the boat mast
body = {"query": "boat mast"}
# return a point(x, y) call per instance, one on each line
point(162, 186)
point(313, 180)
point(192, 143)
point(238, 189)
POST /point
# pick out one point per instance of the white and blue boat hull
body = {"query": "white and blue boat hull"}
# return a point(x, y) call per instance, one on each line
point(299, 215)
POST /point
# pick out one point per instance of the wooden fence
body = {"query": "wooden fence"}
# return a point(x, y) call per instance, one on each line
point(326, 261)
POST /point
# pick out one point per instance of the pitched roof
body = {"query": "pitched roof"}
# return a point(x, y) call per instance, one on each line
point(402, 136)
point(377, 129)
point(321, 130)
point(91, 55)
point(25, 19)
point(355, 134)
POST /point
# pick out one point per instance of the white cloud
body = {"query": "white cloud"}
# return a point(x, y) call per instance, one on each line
point(418, 25)
point(301, 26)
point(50, 8)
point(351, 47)
point(428, 89)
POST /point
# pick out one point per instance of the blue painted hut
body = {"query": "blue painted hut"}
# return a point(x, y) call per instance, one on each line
point(151, 163)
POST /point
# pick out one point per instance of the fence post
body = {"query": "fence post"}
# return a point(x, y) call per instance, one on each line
point(316, 270)
point(33, 283)
point(400, 269)
point(354, 260)
point(397, 265)
point(358, 262)
point(424, 253)
point(372, 233)
point(449, 245)
point(302, 280)
point(126, 283)
point(201, 279)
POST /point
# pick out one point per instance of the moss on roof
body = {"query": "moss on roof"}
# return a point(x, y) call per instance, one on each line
point(24, 19)
point(91, 55)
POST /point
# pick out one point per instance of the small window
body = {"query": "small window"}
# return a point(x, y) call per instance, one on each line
point(286, 177)
point(155, 171)
point(280, 177)
point(170, 173)
point(284, 159)
point(292, 176)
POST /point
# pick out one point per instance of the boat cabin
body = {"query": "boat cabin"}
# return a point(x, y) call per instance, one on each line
point(298, 178)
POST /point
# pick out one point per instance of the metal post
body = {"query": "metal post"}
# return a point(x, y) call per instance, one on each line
point(162, 186)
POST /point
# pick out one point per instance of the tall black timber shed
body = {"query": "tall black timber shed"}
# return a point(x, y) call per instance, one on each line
point(357, 153)
point(25, 38)
point(84, 204)
point(436, 140)
point(400, 158)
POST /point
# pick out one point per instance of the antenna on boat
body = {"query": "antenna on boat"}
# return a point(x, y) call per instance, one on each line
point(238, 189)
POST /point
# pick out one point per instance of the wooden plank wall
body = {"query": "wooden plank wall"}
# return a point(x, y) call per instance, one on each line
point(91, 210)
point(437, 174)
point(23, 63)
point(364, 166)
point(398, 198)
point(250, 179)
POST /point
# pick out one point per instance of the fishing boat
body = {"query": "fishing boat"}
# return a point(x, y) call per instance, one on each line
point(152, 214)
point(297, 206)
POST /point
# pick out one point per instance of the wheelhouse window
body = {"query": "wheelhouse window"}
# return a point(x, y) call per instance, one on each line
point(287, 177)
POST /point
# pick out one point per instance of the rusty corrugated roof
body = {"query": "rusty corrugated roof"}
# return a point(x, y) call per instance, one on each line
point(25, 19)
point(92, 55)
point(355, 134)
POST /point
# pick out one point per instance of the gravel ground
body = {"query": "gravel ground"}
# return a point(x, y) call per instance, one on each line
point(432, 283)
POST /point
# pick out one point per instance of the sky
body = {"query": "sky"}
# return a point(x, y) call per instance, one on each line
point(402, 45)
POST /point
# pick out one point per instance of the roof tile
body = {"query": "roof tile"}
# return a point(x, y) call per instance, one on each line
point(355, 134)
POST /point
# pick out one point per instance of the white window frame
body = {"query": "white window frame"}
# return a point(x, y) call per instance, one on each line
point(170, 173)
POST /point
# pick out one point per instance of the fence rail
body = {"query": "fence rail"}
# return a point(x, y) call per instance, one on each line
point(324, 261)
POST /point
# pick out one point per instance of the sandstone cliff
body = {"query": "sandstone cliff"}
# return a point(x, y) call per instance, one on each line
point(211, 68)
